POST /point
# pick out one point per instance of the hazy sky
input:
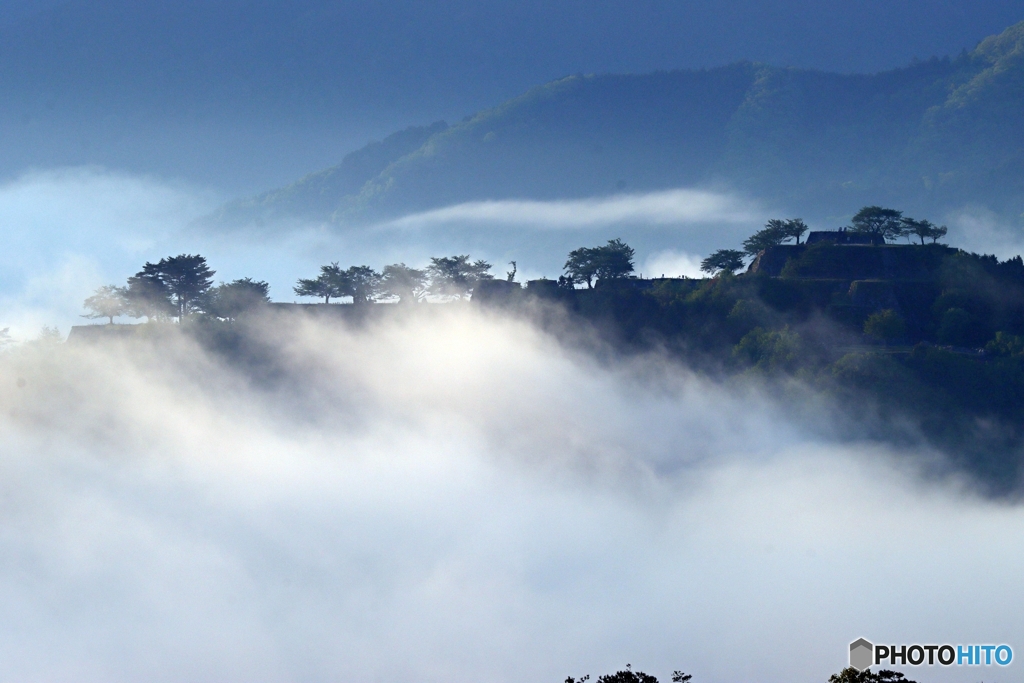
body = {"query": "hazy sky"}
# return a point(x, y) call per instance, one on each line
point(244, 94)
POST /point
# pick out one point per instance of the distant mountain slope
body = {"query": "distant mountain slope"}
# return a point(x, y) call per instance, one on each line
point(934, 134)
point(972, 145)
point(318, 194)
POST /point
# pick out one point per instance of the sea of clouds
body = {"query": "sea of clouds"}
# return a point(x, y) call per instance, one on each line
point(442, 495)
point(451, 495)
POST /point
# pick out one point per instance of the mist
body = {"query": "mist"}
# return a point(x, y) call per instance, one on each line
point(74, 229)
point(452, 495)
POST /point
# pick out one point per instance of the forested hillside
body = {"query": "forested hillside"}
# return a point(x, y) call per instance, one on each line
point(931, 136)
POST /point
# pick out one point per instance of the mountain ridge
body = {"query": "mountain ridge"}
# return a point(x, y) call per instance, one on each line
point(929, 136)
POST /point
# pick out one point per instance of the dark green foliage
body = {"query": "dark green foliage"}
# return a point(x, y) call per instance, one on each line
point(772, 234)
point(454, 277)
point(923, 229)
point(174, 286)
point(231, 299)
point(1004, 344)
point(363, 284)
point(955, 327)
point(851, 675)
point(147, 296)
point(581, 267)
point(590, 265)
point(187, 278)
point(886, 325)
point(968, 405)
point(795, 228)
point(629, 676)
point(775, 232)
point(769, 351)
point(722, 261)
point(614, 260)
point(332, 282)
point(874, 220)
point(750, 313)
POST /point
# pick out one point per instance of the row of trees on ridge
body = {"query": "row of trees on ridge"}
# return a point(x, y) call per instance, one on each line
point(176, 287)
point(887, 225)
point(455, 277)
point(182, 286)
point(450, 277)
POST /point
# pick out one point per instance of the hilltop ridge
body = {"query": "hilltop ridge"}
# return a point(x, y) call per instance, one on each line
point(933, 135)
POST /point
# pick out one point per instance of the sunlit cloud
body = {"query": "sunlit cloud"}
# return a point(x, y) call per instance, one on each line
point(671, 263)
point(450, 495)
point(980, 230)
point(670, 207)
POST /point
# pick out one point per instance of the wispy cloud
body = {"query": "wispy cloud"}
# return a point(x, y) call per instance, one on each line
point(670, 207)
point(981, 230)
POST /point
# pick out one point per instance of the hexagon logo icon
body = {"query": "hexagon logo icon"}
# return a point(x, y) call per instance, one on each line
point(862, 654)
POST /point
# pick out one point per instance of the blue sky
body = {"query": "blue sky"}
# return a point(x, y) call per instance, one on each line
point(244, 95)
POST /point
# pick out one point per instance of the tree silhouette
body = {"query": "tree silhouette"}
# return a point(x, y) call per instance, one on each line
point(183, 280)
point(772, 234)
point(231, 299)
point(851, 675)
point(627, 676)
point(923, 229)
point(938, 233)
point(581, 266)
point(363, 284)
point(590, 265)
point(723, 260)
point(775, 232)
point(884, 223)
point(614, 260)
point(147, 295)
point(455, 276)
point(914, 227)
point(886, 325)
point(108, 301)
point(795, 228)
point(332, 281)
point(630, 676)
point(408, 284)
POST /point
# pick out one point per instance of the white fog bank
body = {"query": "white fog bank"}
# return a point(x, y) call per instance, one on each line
point(453, 497)
point(64, 232)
